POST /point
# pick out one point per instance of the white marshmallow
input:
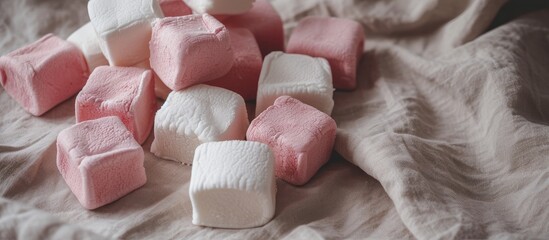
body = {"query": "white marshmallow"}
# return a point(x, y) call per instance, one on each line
point(222, 7)
point(197, 115)
point(86, 40)
point(124, 28)
point(233, 184)
point(302, 77)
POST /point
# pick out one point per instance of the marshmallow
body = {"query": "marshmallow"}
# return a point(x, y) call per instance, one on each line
point(244, 75)
point(221, 7)
point(124, 28)
point(87, 41)
point(197, 115)
point(264, 22)
point(100, 161)
point(174, 8)
point(43, 74)
point(305, 78)
point(233, 184)
point(189, 50)
point(300, 136)
point(340, 41)
point(125, 92)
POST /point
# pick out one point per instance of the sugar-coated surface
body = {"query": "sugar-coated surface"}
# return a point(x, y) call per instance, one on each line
point(100, 161)
point(300, 136)
point(87, 41)
point(125, 92)
point(223, 7)
point(244, 76)
point(43, 74)
point(174, 8)
point(196, 115)
point(190, 50)
point(264, 22)
point(302, 77)
point(233, 184)
point(124, 28)
point(339, 40)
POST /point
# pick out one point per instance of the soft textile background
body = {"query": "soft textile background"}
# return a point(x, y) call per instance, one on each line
point(449, 130)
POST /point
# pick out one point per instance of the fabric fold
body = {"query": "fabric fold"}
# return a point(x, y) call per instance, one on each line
point(458, 141)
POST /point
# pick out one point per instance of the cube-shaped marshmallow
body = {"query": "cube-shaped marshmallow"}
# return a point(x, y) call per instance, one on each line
point(124, 28)
point(244, 76)
point(87, 41)
point(100, 161)
point(338, 40)
point(264, 22)
point(302, 77)
point(125, 92)
point(220, 7)
point(300, 136)
point(43, 74)
point(174, 8)
point(197, 115)
point(233, 184)
point(189, 50)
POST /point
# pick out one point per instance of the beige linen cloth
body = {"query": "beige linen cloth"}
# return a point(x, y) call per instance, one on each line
point(448, 128)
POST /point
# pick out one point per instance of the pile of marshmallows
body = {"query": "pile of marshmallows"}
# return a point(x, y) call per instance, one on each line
point(207, 57)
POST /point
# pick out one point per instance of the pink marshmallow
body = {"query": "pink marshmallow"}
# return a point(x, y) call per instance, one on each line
point(300, 136)
point(43, 74)
point(338, 40)
point(100, 161)
point(190, 50)
point(125, 92)
point(174, 8)
point(264, 22)
point(244, 76)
